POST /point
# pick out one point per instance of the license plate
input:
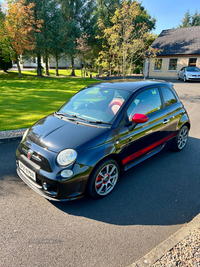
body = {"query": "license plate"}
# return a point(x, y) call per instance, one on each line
point(27, 171)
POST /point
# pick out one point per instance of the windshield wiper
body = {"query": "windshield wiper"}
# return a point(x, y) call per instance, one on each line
point(75, 116)
point(79, 118)
point(100, 122)
point(65, 115)
point(60, 113)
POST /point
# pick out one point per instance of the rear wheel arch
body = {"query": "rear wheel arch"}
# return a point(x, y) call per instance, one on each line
point(187, 124)
point(181, 139)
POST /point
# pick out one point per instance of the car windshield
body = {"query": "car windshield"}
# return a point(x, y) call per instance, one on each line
point(95, 104)
point(193, 69)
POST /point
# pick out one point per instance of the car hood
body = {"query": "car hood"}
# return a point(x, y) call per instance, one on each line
point(56, 134)
point(193, 73)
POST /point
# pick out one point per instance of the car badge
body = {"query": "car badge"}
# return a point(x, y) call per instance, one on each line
point(29, 154)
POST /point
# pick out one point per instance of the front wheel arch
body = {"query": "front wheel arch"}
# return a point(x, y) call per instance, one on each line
point(93, 175)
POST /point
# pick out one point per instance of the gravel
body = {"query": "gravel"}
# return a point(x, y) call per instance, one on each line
point(12, 134)
point(185, 254)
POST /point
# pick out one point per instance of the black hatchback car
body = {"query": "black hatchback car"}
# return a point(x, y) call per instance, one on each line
point(104, 129)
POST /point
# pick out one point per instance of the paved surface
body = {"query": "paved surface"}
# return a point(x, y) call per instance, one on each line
point(150, 203)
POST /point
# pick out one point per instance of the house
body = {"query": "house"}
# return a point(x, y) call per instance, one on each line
point(180, 48)
point(63, 63)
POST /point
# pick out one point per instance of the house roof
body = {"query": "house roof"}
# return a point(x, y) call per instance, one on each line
point(180, 41)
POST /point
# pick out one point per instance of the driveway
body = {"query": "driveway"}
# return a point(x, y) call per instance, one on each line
point(150, 202)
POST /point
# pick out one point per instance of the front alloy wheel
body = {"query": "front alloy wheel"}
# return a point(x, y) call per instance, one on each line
point(104, 179)
point(184, 78)
point(181, 139)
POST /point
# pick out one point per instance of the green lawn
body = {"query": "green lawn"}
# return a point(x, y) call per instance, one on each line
point(25, 100)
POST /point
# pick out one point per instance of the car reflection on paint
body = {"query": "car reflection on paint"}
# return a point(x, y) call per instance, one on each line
point(102, 131)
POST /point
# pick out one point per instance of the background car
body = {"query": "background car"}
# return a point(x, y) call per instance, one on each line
point(189, 74)
point(103, 130)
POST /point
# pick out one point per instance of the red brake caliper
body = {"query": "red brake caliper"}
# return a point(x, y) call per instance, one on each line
point(98, 180)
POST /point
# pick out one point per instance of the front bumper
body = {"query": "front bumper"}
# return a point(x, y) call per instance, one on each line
point(57, 189)
point(190, 78)
point(50, 195)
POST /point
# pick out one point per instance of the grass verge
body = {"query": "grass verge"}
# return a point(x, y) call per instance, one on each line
point(25, 100)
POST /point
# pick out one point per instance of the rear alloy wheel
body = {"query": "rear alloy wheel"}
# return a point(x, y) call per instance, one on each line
point(181, 139)
point(104, 179)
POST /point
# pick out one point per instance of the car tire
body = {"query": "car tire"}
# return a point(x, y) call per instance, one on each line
point(178, 77)
point(103, 178)
point(181, 139)
point(184, 78)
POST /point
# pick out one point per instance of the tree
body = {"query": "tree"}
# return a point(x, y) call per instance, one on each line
point(104, 11)
point(83, 48)
point(74, 14)
point(53, 33)
point(18, 27)
point(195, 19)
point(128, 38)
point(190, 20)
point(40, 12)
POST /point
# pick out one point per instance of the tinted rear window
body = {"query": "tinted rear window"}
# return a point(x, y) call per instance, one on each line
point(168, 96)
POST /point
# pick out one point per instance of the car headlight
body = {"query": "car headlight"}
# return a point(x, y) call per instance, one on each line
point(24, 135)
point(66, 157)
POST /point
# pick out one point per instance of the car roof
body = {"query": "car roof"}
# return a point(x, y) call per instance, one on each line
point(129, 85)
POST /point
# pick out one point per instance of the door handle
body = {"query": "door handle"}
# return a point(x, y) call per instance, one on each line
point(165, 121)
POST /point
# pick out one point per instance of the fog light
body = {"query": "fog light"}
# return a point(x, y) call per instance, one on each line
point(45, 186)
point(66, 173)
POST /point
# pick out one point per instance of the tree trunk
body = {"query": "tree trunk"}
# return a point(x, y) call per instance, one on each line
point(84, 70)
point(110, 69)
point(100, 68)
point(57, 65)
point(39, 66)
point(124, 66)
point(72, 65)
point(117, 68)
point(46, 64)
point(130, 70)
point(18, 66)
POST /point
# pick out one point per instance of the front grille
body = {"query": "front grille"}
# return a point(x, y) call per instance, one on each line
point(36, 159)
point(36, 166)
point(33, 156)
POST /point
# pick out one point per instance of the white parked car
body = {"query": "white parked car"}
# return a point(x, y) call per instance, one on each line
point(189, 74)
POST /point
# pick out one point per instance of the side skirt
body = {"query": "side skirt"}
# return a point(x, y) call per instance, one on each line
point(150, 154)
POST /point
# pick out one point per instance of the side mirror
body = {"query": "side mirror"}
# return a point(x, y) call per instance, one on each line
point(139, 118)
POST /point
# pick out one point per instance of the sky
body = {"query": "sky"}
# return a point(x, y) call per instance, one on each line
point(169, 13)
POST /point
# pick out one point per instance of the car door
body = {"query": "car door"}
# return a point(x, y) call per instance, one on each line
point(145, 139)
point(173, 107)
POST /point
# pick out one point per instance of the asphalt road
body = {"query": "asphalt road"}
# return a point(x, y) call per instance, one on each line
point(149, 203)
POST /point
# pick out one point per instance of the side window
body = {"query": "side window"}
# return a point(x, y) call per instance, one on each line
point(145, 103)
point(168, 97)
